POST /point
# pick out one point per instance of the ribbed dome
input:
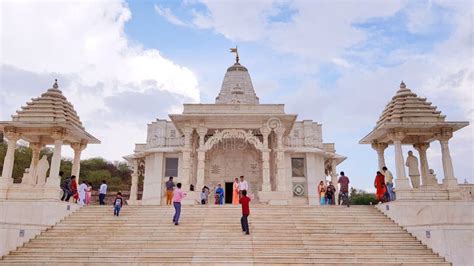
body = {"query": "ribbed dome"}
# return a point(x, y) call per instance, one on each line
point(237, 87)
point(51, 107)
point(406, 106)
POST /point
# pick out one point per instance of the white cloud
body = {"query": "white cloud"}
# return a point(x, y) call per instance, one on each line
point(84, 44)
point(169, 16)
point(319, 30)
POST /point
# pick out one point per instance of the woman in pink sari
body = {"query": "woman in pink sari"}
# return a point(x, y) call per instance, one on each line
point(235, 192)
point(88, 193)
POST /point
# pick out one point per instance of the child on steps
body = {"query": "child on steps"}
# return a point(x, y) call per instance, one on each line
point(118, 203)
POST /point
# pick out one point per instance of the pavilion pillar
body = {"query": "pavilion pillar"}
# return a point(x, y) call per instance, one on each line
point(6, 179)
point(186, 169)
point(425, 177)
point(280, 160)
point(134, 185)
point(201, 159)
point(334, 180)
point(30, 179)
point(449, 182)
point(266, 186)
point(76, 163)
point(380, 149)
point(53, 179)
point(402, 182)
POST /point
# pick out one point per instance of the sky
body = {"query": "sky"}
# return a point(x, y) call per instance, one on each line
point(124, 64)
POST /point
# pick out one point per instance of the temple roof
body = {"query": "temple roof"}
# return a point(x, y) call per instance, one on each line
point(237, 87)
point(415, 116)
point(50, 110)
point(51, 106)
point(406, 106)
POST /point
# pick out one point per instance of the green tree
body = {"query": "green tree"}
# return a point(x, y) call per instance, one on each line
point(360, 197)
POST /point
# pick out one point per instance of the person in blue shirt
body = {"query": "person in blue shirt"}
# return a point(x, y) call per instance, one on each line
point(219, 195)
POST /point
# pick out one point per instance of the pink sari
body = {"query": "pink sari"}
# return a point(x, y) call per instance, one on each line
point(88, 195)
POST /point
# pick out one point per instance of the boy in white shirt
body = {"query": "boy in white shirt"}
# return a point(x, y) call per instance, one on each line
point(102, 192)
point(243, 185)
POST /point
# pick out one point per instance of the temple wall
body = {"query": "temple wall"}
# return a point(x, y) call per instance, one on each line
point(447, 227)
point(152, 184)
point(32, 217)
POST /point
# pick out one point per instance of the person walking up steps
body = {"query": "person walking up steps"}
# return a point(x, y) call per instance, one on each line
point(102, 192)
point(178, 195)
point(245, 202)
point(118, 203)
point(169, 190)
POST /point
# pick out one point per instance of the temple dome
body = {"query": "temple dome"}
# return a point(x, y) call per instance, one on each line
point(237, 87)
point(406, 106)
point(51, 107)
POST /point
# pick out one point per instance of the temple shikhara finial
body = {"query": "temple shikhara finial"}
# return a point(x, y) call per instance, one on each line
point(55, 85)
point(402, 85)
point(234, 50)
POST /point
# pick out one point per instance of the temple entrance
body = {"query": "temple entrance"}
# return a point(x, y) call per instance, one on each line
point(229, 186)
point(230, 159)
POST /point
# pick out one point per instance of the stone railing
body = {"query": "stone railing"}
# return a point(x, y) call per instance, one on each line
point(166, 142)
point(299, 142)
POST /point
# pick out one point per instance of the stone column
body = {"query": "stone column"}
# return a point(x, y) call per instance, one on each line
point(31, 177)
point(9, 160)
point(266, 186)
point(334, 180)
point(53, 179)
point(201, 158)
point(449, 180)
point(281, 182)
point(134, 186)
point(421, 148)
point(186, 168)
point(380, 148)
point(401, 182)
point(76, 163)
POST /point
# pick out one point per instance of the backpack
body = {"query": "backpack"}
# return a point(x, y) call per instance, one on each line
point(65, 184)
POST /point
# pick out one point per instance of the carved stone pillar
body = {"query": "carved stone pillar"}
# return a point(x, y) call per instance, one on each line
point(380, 149)
point(266, 185)
point(449, 180)
point(186, 169)
point(201, 159)
point(334, 180)
point(281, 176)
point(30, 179)
point(53, 179)
point(425, 177)
point(134, 186)
point(9, 160)
point(76, 163)
point(402, 182)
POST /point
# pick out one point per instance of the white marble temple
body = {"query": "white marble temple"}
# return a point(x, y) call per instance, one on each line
point(282, 159)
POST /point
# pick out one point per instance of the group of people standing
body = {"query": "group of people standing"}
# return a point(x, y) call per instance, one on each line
point(383, 184)
point(175, 195)
point(81, 194)
point(327, 193)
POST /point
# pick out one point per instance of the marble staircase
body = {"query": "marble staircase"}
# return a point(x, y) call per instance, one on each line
point(323, 235)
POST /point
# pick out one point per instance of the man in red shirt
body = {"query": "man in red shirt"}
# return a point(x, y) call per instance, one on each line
point(245, 201)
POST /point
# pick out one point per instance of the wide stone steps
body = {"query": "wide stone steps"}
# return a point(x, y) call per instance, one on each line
point(323, 235)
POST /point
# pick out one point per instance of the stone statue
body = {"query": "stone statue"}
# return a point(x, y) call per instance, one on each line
point(413, 169)
point(43, 166)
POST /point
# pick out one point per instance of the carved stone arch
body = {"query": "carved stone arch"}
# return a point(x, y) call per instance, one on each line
point(246, 136)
